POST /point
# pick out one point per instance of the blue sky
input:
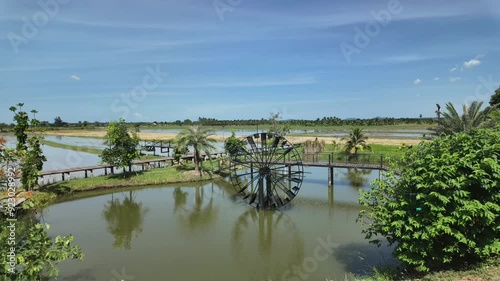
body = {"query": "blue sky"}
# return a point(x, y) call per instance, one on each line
point(163, 60)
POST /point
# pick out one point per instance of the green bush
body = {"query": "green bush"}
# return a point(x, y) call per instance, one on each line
point(442, 208)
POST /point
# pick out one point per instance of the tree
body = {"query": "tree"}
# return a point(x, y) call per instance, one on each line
point(122, 145)
point(495, 98)
point(28, 149)
point(199, 139)
point(232, 143)
point(442, 207)
point(278, 127)
point(471, 118)
point(58, 122)
point(356, 141)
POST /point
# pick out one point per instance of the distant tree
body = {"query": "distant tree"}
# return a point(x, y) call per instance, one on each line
point(356, 141)
point(452, 122)
point(122, 145)
point(278, 127)
point(187, 122)
point(58, 122)
point(232, 143)
point(199, 139)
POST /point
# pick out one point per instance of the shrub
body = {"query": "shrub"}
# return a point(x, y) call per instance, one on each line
point(442, 209)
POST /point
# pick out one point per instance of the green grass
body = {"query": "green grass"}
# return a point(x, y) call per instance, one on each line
point(389, 151)
point(72, 147)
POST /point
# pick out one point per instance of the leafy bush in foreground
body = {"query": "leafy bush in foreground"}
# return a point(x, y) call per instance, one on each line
point(443, 207)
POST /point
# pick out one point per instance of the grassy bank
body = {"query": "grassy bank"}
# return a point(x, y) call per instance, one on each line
point(486, 271)
point(173, 174)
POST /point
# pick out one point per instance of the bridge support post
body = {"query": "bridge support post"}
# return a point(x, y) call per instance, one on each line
point(105, 171)
point(86, 174)
point(330, 176)
point(251, 172)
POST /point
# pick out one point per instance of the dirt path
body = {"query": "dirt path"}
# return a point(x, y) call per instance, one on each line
point(167, 136)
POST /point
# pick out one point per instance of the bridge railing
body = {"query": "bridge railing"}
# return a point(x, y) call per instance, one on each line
point(343, 158)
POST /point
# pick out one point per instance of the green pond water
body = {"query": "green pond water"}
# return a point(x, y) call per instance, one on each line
point(199, 231)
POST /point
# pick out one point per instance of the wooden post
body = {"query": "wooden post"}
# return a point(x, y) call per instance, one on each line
point(105, 171)
point(330, 176)
point(112, 170)
point(381, 161)
point(130, 168)
point(86, 176)
point(63, 176)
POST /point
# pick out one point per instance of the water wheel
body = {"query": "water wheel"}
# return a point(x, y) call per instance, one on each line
point(266, 171)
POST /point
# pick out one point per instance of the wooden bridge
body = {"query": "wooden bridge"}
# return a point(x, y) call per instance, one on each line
point(346, 161)
point(144, 164)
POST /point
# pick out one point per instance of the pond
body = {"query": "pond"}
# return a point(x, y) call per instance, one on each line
point(199, 231)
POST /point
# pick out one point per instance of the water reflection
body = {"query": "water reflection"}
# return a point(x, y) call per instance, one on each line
point(201, 215)
point(124, 218)
point(357, 177)
point(273, 237)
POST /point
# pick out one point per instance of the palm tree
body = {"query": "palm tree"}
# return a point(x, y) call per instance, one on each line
point(356, 141)
point(471, 118)
point(196, 137)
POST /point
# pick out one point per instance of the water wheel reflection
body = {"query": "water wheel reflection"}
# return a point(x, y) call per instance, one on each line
point(265, 244)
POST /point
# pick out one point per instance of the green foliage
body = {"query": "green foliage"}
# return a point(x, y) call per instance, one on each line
point(472, 117)
point(495, 98)
point(199, 139)
point(232, 143)
point(28, 149)
point(36, 254)
point(356, 141)
point(122, 145)
point(442, 208)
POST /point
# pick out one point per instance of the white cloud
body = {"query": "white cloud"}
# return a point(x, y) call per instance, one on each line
point(417, 81)
point(472, 63)
point(453, 68)
point(138, 115)
point(454, 79)
point(74, 77)
point(436, 78)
